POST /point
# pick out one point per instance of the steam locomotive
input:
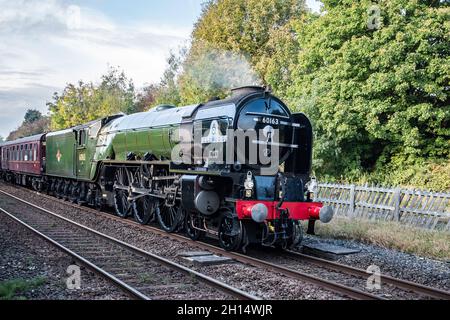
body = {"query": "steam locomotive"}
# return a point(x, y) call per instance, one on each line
point(237, 168)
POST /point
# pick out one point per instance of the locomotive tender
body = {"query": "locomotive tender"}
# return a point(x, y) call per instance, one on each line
point(181, 168)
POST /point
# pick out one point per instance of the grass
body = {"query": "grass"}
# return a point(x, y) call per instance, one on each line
point(391, 235)
point(145, 277)
point(10, 288)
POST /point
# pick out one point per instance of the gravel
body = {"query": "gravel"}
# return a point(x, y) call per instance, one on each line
point(26, 256)
point(263, 283)
point(157, 281)
point(397, 264)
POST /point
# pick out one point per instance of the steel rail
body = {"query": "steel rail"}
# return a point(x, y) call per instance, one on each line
point(237, 293)
point(106, 275)
point(399, 283)
point(323, 283)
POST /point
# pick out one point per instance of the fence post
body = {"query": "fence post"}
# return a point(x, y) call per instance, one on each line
point(352, 201)
point(397, 200)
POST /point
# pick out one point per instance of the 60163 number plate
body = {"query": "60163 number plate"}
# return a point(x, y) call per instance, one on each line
point(268, 120)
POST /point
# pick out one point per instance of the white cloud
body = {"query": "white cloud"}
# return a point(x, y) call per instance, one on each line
point(45, 44)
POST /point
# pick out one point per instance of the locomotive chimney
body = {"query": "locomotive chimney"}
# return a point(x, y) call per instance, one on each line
point(246, 90)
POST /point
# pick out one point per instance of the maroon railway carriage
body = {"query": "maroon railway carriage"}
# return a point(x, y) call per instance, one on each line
point(23, 160)
point(1, 157)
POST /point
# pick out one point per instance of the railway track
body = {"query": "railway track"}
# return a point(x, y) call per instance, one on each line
point(385, 279)
point(141, 274)
point(295, 274)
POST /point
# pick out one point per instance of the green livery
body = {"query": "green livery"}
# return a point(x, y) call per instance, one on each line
point(168, 165)
point(154, 132)
point(76, 152)
point(71, 153)
point(60, 151)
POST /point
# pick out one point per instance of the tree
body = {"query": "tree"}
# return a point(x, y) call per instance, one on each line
point(34, 123)
point(146, 97)
point(244, 25)
point(32, 115)
point(378, 96)
point(280, 57)
point(115, 93)
point(85, 101)
point(230, 44)
point(168, 91)
point(1, 139)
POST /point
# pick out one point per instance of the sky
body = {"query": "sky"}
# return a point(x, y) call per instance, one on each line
point(45, 44)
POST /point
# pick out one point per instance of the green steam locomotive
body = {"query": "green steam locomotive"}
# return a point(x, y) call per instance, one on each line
point(237, 168)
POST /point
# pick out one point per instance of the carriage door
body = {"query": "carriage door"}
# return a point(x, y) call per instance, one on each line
point(81, 154)
point(7, 159)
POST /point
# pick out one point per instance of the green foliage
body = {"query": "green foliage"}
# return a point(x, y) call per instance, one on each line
point(34, 123)
point(375, 95)
point(389, 234)
point(431, 175)
point(10, 288)
point(85, 101)
point(245, 26)
point(167, 90)
point(375, 86)
point(228, 45)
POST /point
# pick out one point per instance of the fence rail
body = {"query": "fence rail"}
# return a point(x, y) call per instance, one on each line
point(414, 207)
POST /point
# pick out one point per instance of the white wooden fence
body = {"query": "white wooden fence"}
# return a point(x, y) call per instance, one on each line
point(414, 207)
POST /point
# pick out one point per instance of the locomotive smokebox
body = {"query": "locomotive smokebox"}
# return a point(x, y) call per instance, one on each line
point(207, 202)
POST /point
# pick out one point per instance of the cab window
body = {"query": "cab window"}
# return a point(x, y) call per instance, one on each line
point(81, 138)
